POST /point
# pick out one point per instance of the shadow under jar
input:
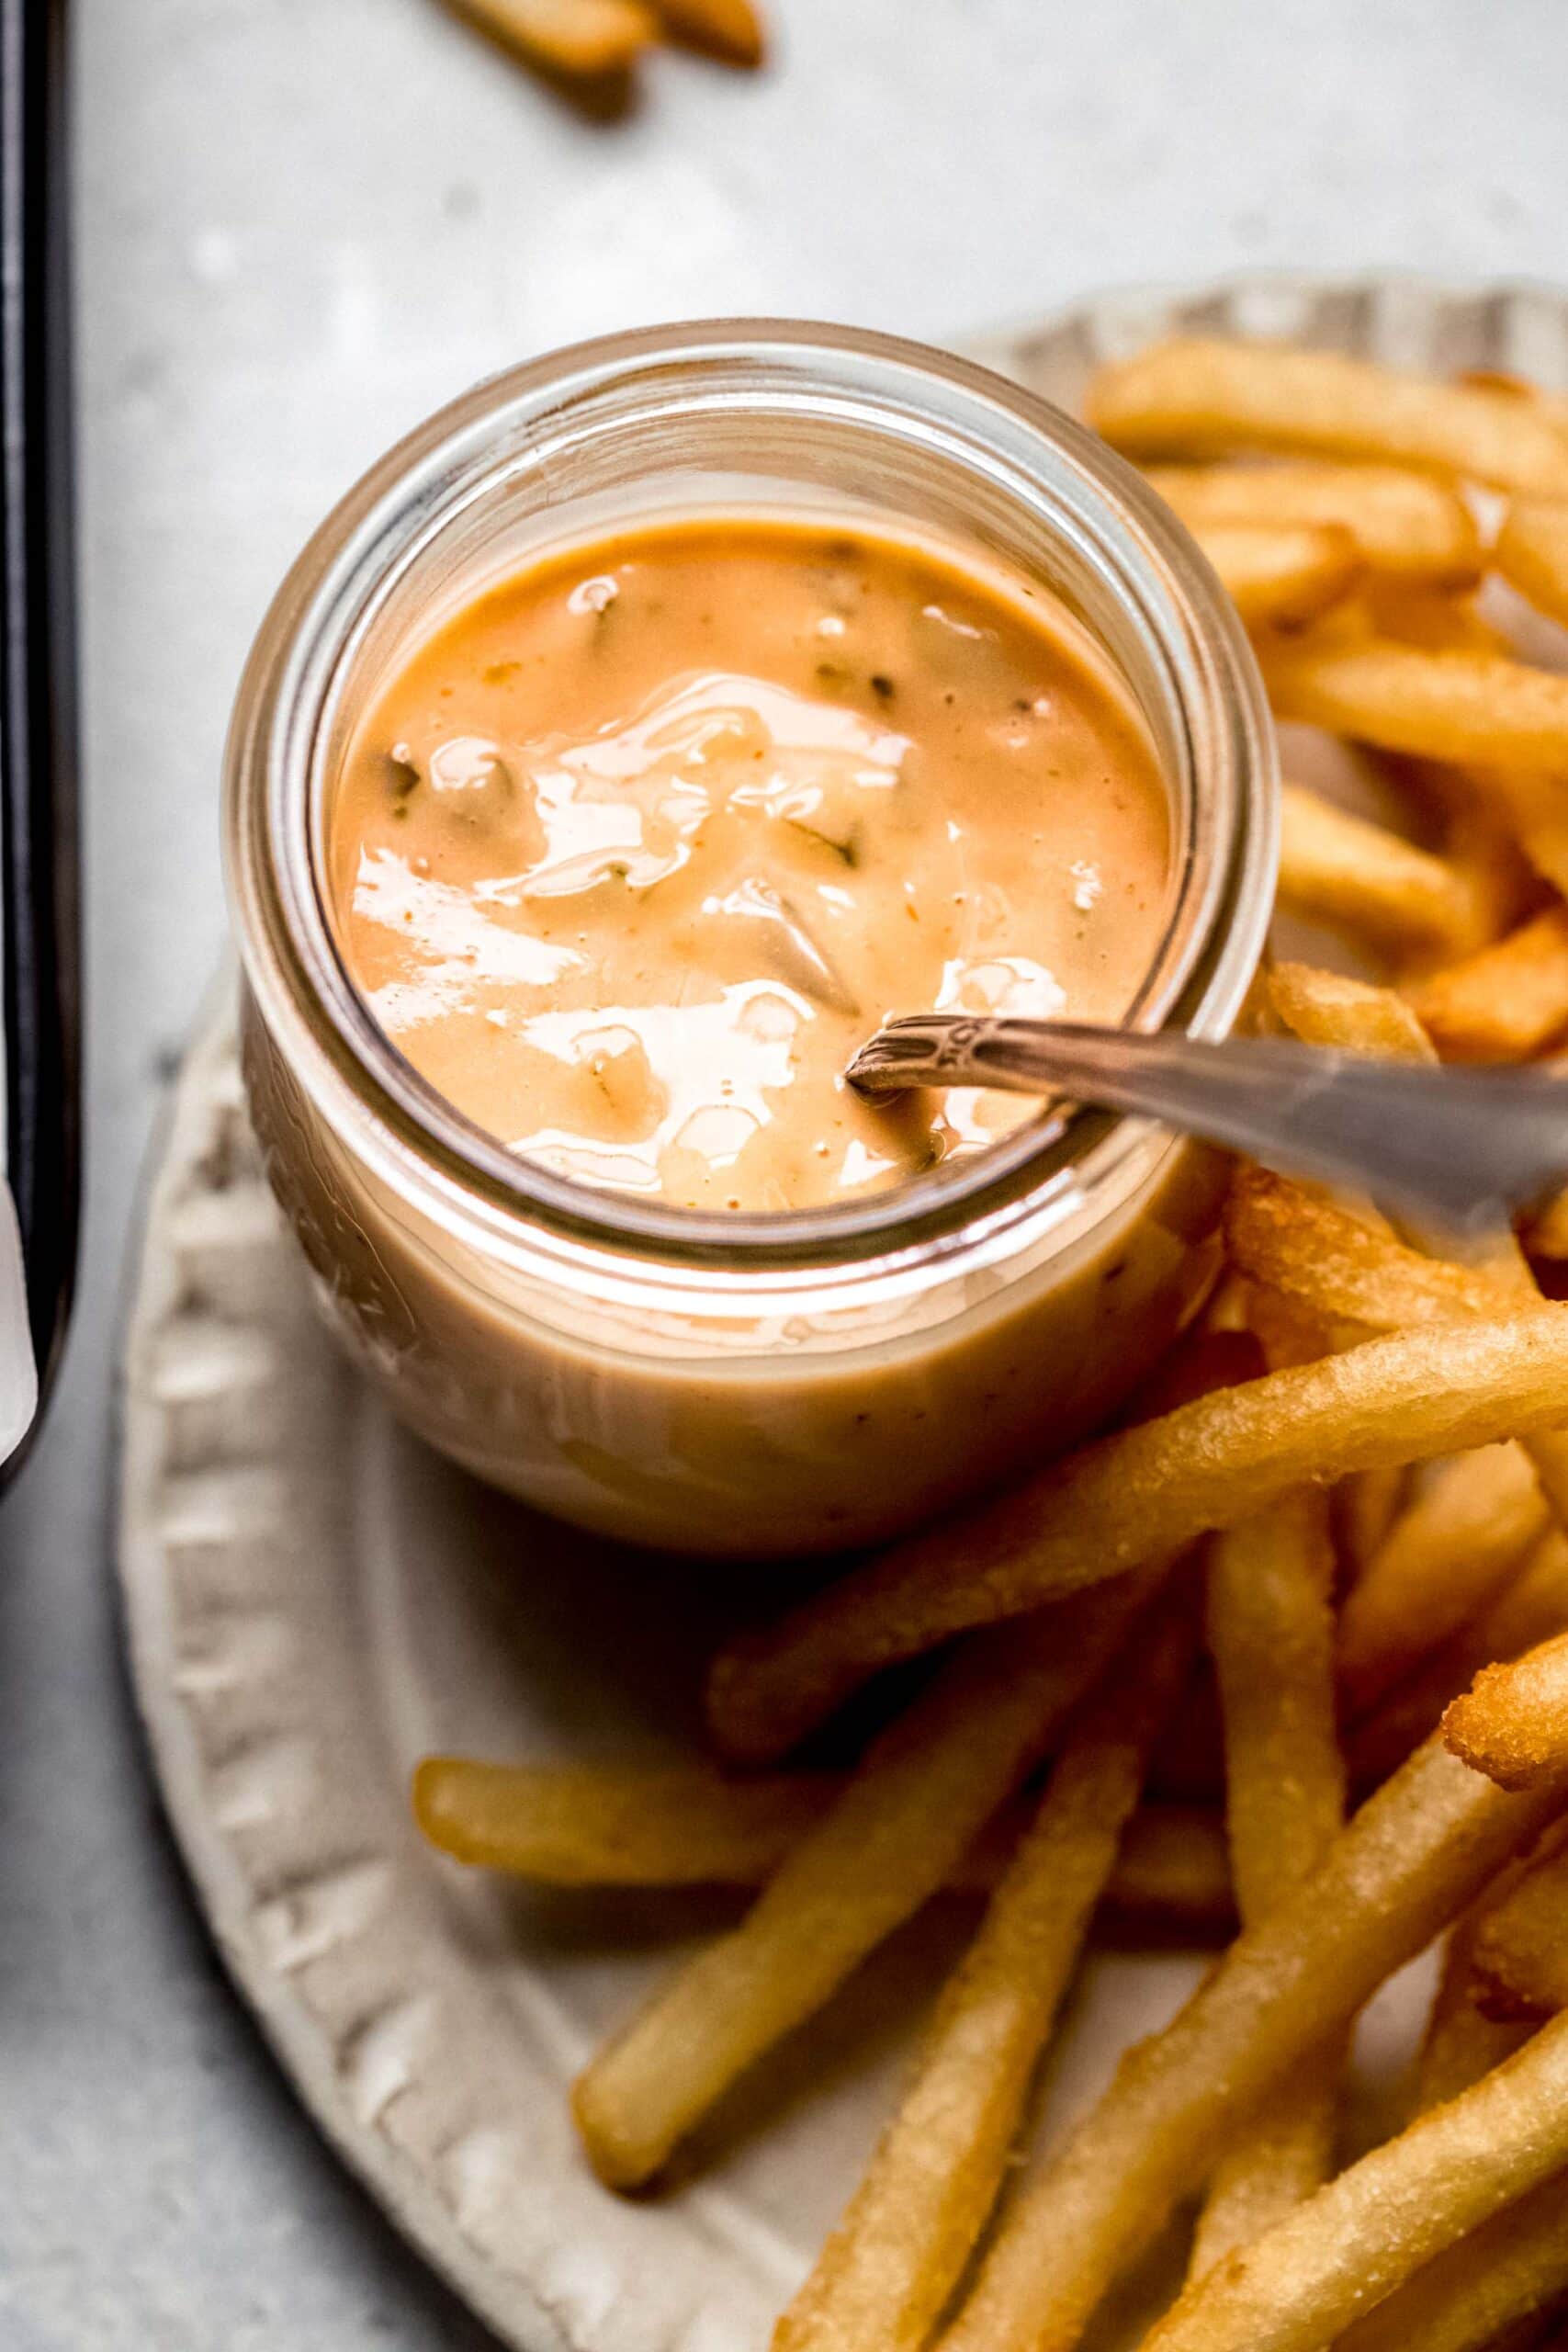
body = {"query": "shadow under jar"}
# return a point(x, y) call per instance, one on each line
point(740, 1383)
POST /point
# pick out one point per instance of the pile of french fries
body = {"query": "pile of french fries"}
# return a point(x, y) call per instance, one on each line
point(1343, 1508)
point(601, 41)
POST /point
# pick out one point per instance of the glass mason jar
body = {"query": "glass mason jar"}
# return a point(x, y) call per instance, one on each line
point(743, 1384)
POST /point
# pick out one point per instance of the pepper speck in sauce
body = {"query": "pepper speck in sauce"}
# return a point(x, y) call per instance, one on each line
point(637, 848)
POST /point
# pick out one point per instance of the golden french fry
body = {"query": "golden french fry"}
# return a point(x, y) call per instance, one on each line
point(1292, 1238)
point(1405, 524)
point(1281, 578)
point(1173, 1868)
point(1520, 1945)
point(1339, 869)
point(1532, 1608)
point(1192, 397)
point(1379, 2222)
point(579, 39)
point(1441, 1562)
point(1412, 1858)
point(728, 28)
point(1505, 1002)
point(1365, 1510)
point(616, 1826)
point(1512, 1722)
point(594, 1824)
point(1532, 553)
point(1140, 1494)
point(895, 1835)
point(1200, 1361)
point(1512, 2267)
point(1460, 2043)
point(1552, 407)
point(1456, 706)
point(886, 2272)
point(1549, 1232)
point(1326, 1009)
point(1271, 1637)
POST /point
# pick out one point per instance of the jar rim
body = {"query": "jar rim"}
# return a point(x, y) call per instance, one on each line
point(513, 424)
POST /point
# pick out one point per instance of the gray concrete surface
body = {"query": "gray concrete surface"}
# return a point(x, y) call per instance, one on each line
point(302, 223)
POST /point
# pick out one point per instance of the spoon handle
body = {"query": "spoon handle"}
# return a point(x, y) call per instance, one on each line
point(1468, 1146)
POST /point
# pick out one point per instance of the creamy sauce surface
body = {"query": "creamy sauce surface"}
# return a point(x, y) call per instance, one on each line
point(631, 853)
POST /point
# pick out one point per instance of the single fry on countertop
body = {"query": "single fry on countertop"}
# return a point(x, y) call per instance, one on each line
point(1338, 869)
point(1477, 707)
point(1283, 577)
point(1406, 524)
point(888, 2271)
point(579, 39)
point(1271, 1629)
point(1452, 1548)
point(1512, 1723)
point(1192, 397)
point(728, 28)
point(1506, 1001)
point(896, 1834)
point(1416, 1854)
point(1140, 1495)
point(1532, 553)
point(1375, 2226)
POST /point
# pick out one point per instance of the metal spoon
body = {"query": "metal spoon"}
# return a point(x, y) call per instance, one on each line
point(1467, 1147)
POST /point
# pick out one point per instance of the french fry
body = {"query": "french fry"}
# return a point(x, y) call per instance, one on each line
point(1173, 1869)
point(1338, 869)
point(1513, 2267)
point(1405, 524)
point(1520, 1947)
point(608, 1825)
point(1551, 406)
point(1538, 816)
point(1444, 1558)
point(686, 1826)
point(1461, 2043)
point(578, 39)
point(1191, 397)
point(1271, 1638)
point(1326, 1009)
point(1549, 1232)
point(1365, 1508)
point(1532, 1607)
point(895, 1835)
point(1363, 1021)
point(1456, 706)
point(1401, 2207)
point(889, 2269)
point(1141, 1495)
point(1532, 553)
point(1290, 1237)
point(1415, 1855)
point(1512, 1722)
point(1461, 2299)
point(1506, 1001)
point(1284, 577)
point(728, 29)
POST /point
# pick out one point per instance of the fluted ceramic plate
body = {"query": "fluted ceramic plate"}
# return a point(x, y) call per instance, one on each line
point(314, 1602)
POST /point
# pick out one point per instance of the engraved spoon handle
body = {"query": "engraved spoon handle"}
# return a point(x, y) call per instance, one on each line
point(1468, 1146)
